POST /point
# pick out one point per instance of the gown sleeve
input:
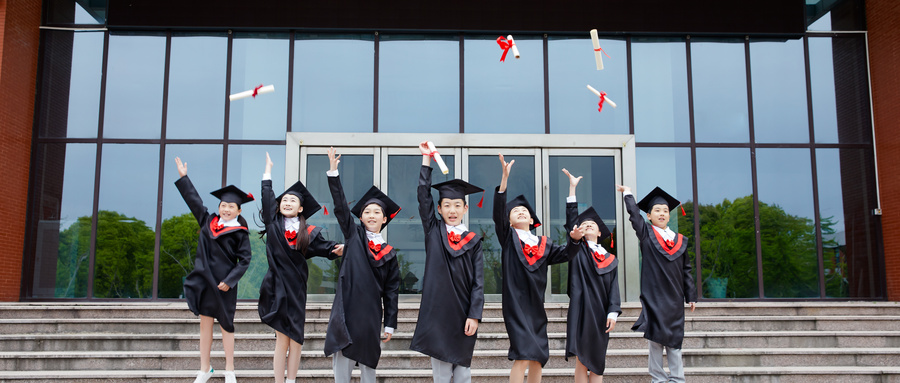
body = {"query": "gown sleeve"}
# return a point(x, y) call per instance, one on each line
point(319, 247)
point(426, 202)
point(501, 217)
point(269, 205)
point(243, 253)
point(476, 299)
point(690, 291)
point(391, 296)
point(615, 300)
point(192, 198)
point(571, 215)
point(341, 209)
point(635, 216)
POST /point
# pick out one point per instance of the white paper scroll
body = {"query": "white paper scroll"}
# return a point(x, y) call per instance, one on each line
point(515, 49)
point(598, 54)
point(605, 98)
point(248, 93)
point(437, 158)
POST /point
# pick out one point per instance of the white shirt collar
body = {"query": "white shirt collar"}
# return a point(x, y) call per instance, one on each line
point(666, 233)
point(596, 247)
point(233, 222)
point(527, 237)
point(458, 229)
point(291, 224)
point(376, 238)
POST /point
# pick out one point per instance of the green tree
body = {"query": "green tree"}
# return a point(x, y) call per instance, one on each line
point(72, 260)
point(123, 261)
point(177, 251)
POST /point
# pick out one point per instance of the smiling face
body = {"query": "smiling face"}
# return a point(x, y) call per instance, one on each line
point(659, 216)
point(290, 206)
point(520, 218)
point(228, 211)
point(372, 218)
point(453, 210)
point(591, 230)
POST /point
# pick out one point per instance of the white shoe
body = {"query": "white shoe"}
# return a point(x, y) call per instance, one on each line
point(229, 377)
point(202, 377)
point(289, 381)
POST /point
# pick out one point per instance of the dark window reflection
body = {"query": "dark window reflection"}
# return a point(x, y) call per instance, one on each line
point(418, 84)
point(259, 59)
point(719, 80)
point(63, 219)
point(180, 231)
point(573, 108)
point(847, 197)
point(787, 223)
point(75, 12)
point(196, 105)
point(500, 95)
point(727, 229)
point(134, 86)
point(126, 221)
point(70, 84)
point(333, 83)
point(661, 112)
point(780, 112)
point(840, 90)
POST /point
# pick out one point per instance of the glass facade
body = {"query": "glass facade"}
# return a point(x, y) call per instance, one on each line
point(770, 151)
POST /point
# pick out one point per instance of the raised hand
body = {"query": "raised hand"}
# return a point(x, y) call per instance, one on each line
point(333, 160)
point(426, 153)
point(577, 234)
point(623, 189)
point(182, 167)
point(573, 181)
point(268, 164)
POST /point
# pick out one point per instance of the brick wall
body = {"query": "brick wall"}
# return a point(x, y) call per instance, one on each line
point(883, 19)
point(19, 42)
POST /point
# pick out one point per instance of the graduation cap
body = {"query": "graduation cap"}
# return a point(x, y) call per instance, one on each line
point(658, 197)
point(457, 189)
point(376, 196)
point(231, 193)
point(591, 215)
point(521, 201)
point(309, 204)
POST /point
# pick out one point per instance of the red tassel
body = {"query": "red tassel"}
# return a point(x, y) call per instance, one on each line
point(682, 211)
point(481, 203)
point(612, 242)
point(326, 209)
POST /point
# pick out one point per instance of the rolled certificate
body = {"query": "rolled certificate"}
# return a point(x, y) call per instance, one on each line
point(597, 50)
point(515, 49)
point(252, 92)
point(602, 96)
point(437, 158)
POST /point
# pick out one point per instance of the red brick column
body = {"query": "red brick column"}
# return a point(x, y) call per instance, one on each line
point(19, 43)
point(883, 23)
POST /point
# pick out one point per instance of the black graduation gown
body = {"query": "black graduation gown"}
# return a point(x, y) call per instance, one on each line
point(453, 286)
point(593, 294)
point(524, 284)
point(223, 255)
point(666, 282)
point(366, 281)
point(282, 293)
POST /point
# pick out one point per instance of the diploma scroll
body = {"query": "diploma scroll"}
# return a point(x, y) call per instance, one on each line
point(515, 49)
point(437, 158)
point(252, 92)
point(597, 50)
point(602, 96)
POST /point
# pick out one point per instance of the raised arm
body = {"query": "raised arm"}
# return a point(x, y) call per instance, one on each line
point(426, 202)
point(341, 209)
point(189, 193)
point(501, 216)
point(269, 205)
point(634, 213)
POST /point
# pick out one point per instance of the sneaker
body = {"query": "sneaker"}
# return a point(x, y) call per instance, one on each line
point(229, 377)
point(289, 381)
point(202, 377)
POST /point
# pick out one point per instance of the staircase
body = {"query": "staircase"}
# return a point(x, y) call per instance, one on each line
point(724, 342)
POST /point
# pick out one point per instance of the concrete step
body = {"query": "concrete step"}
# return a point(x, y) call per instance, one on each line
point(483, 359)
point(550, 375)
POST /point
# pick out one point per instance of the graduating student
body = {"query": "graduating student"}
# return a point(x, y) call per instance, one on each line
point(369, 278)
point(666, 281)
point(290, 241)
point(594, 302)
point(453, 286)
point(525, 258)
point(223, 255)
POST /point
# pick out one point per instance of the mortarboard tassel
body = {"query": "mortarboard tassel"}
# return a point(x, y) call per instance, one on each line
point(481, 203)
point(682, 211)
point(326, 209)
point(612, 242)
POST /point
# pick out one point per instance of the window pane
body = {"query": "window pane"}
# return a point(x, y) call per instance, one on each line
point(597, 189)
point(75, 12)
point(504, 94)
point(418, 85)
point(727, 228)
point(196, 101)
point(70, 84)
point(259, 59)
point(847, 196)
point(134, 86)
point(126, 220)
point(64, 199)
point(720, 91)
point(780, 112)
point(246, 164)
point(840, 90)
point(356, 177)
point(787, 223)
point(573, 108)
point(521, 181)
point(405, 232)
point(660, 90)
point(333, 83)
point(180, 232)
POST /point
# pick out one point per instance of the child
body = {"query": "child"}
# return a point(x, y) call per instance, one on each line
point(223, 255)
point(289, 243)
point(370, 276)
point(525, 258)
point(453, 286)
point(666, 281)
point(594, 303)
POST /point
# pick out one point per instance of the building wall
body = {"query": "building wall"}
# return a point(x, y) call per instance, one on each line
point(883, 19)
point(19, 42)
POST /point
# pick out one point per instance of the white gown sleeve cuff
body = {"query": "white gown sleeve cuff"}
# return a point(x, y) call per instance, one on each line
point(267, 176)
point(613, 316)
point(331, 173)
point(626, 193)
point(570, 199)
point(389, 330)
